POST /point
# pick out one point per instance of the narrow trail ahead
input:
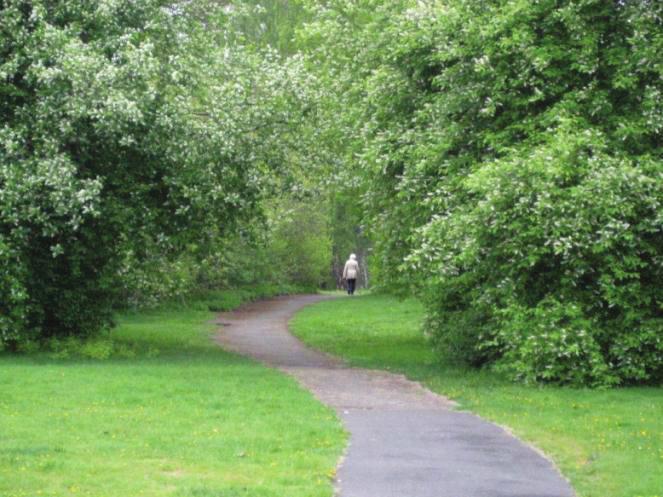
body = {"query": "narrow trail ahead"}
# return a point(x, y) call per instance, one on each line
point(405, 441)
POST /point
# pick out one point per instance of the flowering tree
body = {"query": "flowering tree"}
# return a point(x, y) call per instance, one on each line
point(130, 130)
point(513, 173)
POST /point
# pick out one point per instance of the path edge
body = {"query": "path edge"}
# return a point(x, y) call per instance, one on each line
point(453, 404)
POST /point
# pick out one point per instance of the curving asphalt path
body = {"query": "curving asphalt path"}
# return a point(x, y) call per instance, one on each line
point(405, 441)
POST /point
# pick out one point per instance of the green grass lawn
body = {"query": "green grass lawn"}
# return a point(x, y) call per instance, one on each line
point(608, 443)
point(167, 414)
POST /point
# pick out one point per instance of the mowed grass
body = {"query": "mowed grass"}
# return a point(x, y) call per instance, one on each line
point(172, 415)
point(608, 443)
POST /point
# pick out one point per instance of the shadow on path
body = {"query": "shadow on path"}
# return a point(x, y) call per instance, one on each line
point(405, 441)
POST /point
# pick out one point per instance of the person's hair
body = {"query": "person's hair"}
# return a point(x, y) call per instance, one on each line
point(352, 256)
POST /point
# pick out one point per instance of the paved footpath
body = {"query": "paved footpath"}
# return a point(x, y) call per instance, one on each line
point(405, 441)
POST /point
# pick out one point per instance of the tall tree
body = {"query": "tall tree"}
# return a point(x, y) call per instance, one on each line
point(128, 128)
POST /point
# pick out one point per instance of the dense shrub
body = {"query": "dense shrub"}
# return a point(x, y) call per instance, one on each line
point(128, 133)
point(566, 233)
point(513, 174)
point(300, 244)
point(287, 248)
point(552, 341)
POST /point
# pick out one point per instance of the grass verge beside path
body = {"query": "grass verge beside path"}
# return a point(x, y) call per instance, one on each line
point(167, 414)
point(608, 443)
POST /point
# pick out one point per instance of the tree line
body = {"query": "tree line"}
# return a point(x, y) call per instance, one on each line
point(499, 159)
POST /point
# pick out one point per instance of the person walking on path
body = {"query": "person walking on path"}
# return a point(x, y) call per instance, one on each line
point(350, 273)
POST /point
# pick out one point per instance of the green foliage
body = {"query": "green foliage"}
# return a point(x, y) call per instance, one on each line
point(272, 23)
point(98, 348)
point(511, 163)
point(156, 277)
point(568, 228)
point(286, 250)
point(133, 142)
point(551, 341)
point(348, 235)
point(503, 158)
point(300, 246)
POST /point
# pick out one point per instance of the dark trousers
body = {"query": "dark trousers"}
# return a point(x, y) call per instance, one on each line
point(351, 286)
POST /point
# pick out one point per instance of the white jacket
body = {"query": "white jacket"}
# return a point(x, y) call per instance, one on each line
point(351, 270)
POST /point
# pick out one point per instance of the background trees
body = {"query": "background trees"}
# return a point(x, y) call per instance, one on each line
point(501, 159)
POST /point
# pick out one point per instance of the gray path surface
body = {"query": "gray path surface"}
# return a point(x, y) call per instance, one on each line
point(405, 441)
